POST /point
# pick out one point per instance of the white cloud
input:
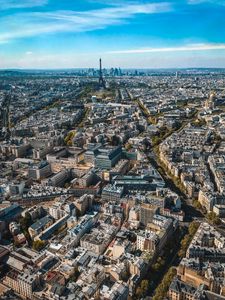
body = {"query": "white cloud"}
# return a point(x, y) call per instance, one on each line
point(8, 4)
point(191, 47)
point(216, 2)
point(36, 23)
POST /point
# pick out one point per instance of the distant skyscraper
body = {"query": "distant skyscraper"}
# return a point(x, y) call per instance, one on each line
point(101, 79)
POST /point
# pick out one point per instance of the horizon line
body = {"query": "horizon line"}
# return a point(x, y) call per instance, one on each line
point(107, 68)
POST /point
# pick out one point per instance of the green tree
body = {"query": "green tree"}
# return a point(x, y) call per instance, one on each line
point(142, 289)
point(213, 218)
point(125, 275)
point(115, 140)
point(75, 275)
point(197, 204)
point(159, 264)
point(162, 289)
point(38, 245)
point(128, 146)
point(193, 227)
point(25, 222)
point(184, 245)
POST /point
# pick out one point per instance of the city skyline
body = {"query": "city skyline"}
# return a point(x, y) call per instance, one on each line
point(48, 34)
point(112, 149)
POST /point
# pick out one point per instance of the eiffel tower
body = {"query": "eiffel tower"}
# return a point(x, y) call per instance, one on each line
point(101, 79)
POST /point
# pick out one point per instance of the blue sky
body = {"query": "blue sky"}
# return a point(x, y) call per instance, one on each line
point(125, 33)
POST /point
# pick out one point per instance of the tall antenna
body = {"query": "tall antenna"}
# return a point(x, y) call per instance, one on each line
point(100, 64)
point(101, 79)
